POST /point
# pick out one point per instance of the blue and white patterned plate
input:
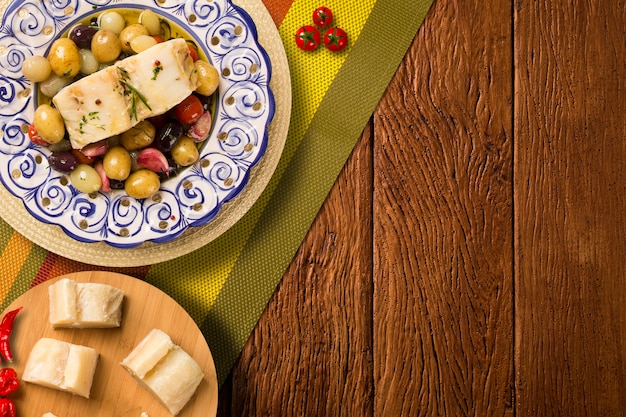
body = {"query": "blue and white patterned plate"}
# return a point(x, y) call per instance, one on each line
point(244, 109)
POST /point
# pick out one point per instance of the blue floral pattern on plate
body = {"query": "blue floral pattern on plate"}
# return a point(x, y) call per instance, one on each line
point(244, 109)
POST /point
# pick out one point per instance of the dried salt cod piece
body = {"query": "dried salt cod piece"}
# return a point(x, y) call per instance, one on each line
point(84, 305)
point(116, 98)
point(62, 366)
point(168, 372)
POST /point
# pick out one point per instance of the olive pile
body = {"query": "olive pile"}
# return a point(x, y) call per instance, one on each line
point(154, 149)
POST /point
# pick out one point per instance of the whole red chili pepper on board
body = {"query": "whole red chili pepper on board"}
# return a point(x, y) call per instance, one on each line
point(8, 381)
point(6, 328)
point(7, 408)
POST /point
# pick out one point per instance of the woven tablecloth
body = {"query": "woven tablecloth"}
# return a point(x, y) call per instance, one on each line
point(225, 284)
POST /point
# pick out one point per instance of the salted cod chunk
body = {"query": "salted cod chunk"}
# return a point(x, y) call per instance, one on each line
point(163, 368)
point(111, 101)
point(62, 366)
point(84, 304)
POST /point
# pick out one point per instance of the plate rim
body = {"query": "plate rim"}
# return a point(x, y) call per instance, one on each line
point(100, 254)
point(138, 239)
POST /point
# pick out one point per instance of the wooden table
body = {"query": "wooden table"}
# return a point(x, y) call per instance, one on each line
point(471, 258)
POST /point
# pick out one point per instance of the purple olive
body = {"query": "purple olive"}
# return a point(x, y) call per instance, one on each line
point(81, 35)
point(63, 161)
point(167, 135)
point(116, 184)
point(207, 101)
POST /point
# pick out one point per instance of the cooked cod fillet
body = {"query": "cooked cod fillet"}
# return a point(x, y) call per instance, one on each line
point(118, 97)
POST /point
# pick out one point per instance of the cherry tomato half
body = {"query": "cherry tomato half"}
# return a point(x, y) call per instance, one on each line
point(323, 17)
point(308, 38)
point(335, 39)
point(193, 52)
point(189, 110)
point(82, 158)
point(35, 137)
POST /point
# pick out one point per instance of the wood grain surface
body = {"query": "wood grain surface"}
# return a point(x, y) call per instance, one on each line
point(570, 198)
point(442, 220)
point(470, 259)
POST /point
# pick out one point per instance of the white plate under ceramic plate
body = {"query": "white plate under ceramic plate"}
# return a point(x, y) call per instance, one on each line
point(250, 126)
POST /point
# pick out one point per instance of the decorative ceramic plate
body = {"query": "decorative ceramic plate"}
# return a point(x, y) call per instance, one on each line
point(238, 140)
point(113, 392)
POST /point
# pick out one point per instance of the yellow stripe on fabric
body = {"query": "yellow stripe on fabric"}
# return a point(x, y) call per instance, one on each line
point(195, 280)
point(313, 72)
point(13, 257)
point(311, 172)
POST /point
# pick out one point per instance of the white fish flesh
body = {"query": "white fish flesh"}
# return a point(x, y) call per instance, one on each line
point(116, 98)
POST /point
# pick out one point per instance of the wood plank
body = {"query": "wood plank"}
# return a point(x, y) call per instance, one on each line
point(311, 352)
point(570, 195)
point(442, 220)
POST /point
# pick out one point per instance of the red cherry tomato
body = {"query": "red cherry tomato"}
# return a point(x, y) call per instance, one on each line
point(323, 17)
point(189, 110)
point(308, 38)
point(35, 137)
point(82, 158)
point(335, 39)
point(193, 52)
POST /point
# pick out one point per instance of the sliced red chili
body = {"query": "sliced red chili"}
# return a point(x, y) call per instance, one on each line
point(6, 328)
point(8, 381)
point(7, 408)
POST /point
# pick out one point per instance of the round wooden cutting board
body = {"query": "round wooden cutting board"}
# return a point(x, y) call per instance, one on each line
point(114, 392)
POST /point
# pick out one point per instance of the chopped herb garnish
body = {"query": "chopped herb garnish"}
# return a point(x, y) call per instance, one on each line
point(157, 68)
point(134, 93)
point(89, 117)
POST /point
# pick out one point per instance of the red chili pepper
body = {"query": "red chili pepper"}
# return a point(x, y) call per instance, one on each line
point(7, 408)
point(8, 381)
point(6, 328)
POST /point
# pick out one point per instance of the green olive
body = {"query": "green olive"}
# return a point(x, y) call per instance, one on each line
point(142, 184)
point(112, 21)
point(151, 21)
point(129, 33)
point(105, 46)
point(36, 68)
point(117, 163)
point(138, 136)
point(64, 58)
point(85, 179)
point(49, 123)
point(88, 62)
point(185, 151)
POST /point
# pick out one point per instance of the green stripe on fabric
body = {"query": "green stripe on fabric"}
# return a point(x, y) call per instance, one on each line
point(26, 275)
point(312, 171)
point(6, 232)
